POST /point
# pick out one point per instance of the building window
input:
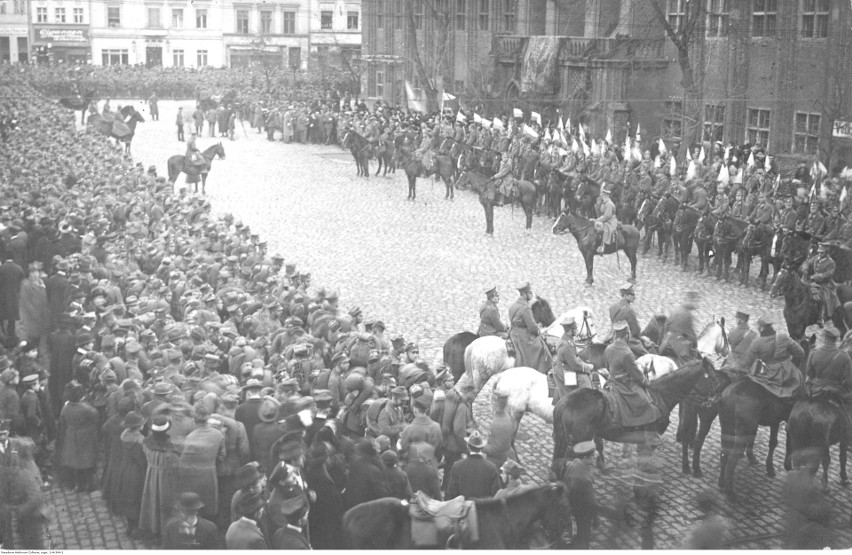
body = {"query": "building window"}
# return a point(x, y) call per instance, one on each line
point(114, 57)
point(764, 17)
point(718, 12)
point(154, 18)
point(676, 13)
point(484, 12)
point(294, 54)
point(177, 17)
point(41, 15)
point(399, 14)
point(806, 134)
point(289, 23)
point(461, 14)
point(815, 19)
point(242, 22)
point(418, 15)
point(352, 21)
point(60, 15)
point(78, 15)
point(113, 16)
point(509, 15)
point(266, 22)
point(672, 120)
point(326, 19)
point(200, 19)
point(714, 121)
point(177, 58)
point(380, 14)
point(757, 132)
point(201, 58)
point(380, 84)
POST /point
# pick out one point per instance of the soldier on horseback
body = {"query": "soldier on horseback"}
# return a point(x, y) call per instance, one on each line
point(525, 334)
point(680, 329)
point(628, 382)
point(569, 372)
point(622, 311)
point(193, 155)
point(504, 177)
point(607, 223)
point(489, 316)
point(771, 360)
point(829, 372)
point(820, 270)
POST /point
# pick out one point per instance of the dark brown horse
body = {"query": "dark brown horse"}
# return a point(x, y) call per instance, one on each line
point(683, 230)
point(758, 241)
point(819, 423)
point(800, 309)
point(509, 523)
point(659, 221)
point(454, 352)
point(177, 164)
point(442, 166)
point(587, 238)
point(584, 415)
point(361, 150)
point(490, 196)
point(121, 128)
point(727, 237)
point(704, 240)
point(79, 102)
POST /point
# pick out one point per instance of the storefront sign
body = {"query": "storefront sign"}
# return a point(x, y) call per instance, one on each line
point(842, 129)
point(62, 34)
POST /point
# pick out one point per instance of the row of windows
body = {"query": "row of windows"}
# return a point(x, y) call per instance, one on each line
point(813, 17)
point(806, 129)
point(327, 18)
point(154, 20)
point(120, 56)
point(59, 15)
point(487, 15)
point(17, 7)
point(266, 22)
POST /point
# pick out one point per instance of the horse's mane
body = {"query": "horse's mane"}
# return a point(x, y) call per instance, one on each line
point(669, 383)
point(490, 502)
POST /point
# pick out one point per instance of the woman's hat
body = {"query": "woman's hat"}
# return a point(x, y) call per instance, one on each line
point(160, 423)
point(133, 420)
point(248, 474)
point(268, 410)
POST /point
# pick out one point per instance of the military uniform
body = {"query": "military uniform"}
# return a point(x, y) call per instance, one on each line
point(739, 339)
point(829, 371)
point(821, 270)
point(524, 332)
point(489, 320)
point(567, 361)
point(634, 402)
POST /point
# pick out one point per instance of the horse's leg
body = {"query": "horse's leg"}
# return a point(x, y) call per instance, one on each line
point(773, 443)
point(752, 460)
point(843, 479)
point(631, 256)
point(705, 420)
point(826, 460)
point(599, 446)
point(590, 264)
point(203, 183)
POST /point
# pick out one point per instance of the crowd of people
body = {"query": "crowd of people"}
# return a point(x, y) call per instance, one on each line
point(164, 357)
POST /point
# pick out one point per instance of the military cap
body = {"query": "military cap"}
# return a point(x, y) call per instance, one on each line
point(584, 448)
point(621, 325)
point(742, 315)
point(491, 292)
point(524, 287)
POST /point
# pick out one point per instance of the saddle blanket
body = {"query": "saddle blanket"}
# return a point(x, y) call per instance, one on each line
point(433, 523)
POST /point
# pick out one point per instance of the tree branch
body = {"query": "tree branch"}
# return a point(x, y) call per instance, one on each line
point(661, 17)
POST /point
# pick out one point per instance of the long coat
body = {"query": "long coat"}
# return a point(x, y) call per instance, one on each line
point(287, 538)
point(11, 276)
point(326, 515)
point(161, 479)
point(10, 407)
point(206, 535)
point(79, 427)
point(530, 348)
point(203, 449)
point(58, 290)
point(61, 347)
point(35, 312)
point(780, 355)
point(366, 481)
point(829, 369)
point(473, 477)
point(634, 402)
point(489, 320)
point(111, 432)
point(131, 476)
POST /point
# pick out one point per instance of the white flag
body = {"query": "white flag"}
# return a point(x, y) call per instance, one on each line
point(727, 153)
point(530, 131)
point(724, 177)
point(582, 133)
point(688, 155)
point(701, 156)
point(586, 151)
point(750, 162)
point(562, 151)
point(637, 153)
point(547, 136)
point(738, 180)
point(477, 118)
point(568, 126)
point(843, 195)
point(559, 125)
point(608, 137)
point(767, 164)
point(657, 162)
point(575, 148)
point(498, 123)
point(596, 151)
point(673, 167)
point(518, 113)
point(638, 133)
point(535, 116)
point(662, 147)
point(461, 117)
point(691, 171)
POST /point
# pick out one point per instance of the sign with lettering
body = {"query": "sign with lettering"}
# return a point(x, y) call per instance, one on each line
point(842, 129)
point(62, 34)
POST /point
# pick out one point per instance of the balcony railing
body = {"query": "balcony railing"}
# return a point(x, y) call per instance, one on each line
point(510, 47)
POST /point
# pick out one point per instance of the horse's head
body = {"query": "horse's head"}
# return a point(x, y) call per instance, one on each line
point(750, 238)
point(554, 518)
point(713, 339)
point(463, 181)
point(561, 225)
point(220, 150)
point(130, 114)
point(783, 282)
point(542, 313)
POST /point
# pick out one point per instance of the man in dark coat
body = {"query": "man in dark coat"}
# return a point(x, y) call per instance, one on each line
point(779, 357)
point(568, 362)
point(623, 310)
point(634, 403)
point(366, 480)
point(680, 338)
point(474, 476)
point(61, 346)
point(326, 515)
point(579, 477)
point(422, 470)
point(294, 507)
point(58, 289)
point(530, 348)
point(489, 316)
point(248, 411)
point(187, 530)
point(245, 532)
point(829, 372)
point(740, 338)
point(11, 276)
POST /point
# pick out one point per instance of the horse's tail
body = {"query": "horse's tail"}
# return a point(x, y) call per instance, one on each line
point(468, 359)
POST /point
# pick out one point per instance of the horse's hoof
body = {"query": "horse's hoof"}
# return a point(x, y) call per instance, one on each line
point(686, 470)
point(753, 461)
point(844, 482)
point(770, 472)
point(697, 474)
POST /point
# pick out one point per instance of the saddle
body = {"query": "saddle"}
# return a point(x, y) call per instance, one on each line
point(441, 523)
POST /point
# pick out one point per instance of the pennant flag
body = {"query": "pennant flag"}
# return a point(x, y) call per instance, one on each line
point(547, 136)
point(536, 117)
point(596, 151)
point(518, 113)
point(449, 102)
point(586, 151)
point(738, 180)
point(767, 164)
point(657, 162)
point(511, 125)
point(460, 117)
point(777, 183)
point(559, 125)
point(691, 171)
point(673, 167)
point(846, 173)
point(608, 137)
point(662, 147)
point(575, 148)
point(724, 176)
point(477, 118)
point(701, 156)
point(498, 123)
point(626, 143)
point(843, 195)
point(413, 101)
point(562, 151)
point(727, 153)
point(582, 133)
point(486, 123)
point(568, 126)
point(750, 162)
point(530, 131)
point(638, 134)
point(688, 155)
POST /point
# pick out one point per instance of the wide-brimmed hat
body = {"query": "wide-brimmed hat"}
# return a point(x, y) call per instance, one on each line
point(160, 423)
point(190, 501)
point(268, 409)
point(248, 474)
point(133, 420)
point(476, 440)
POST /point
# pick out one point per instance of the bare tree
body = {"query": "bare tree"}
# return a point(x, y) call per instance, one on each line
point(431, 61)
point(686, 36)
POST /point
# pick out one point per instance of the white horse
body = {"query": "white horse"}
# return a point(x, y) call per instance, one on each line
point(585, 319)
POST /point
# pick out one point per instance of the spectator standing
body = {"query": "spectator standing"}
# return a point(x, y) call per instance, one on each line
point(161, 478)
point(179, 123)
point(130, 482)
point(474, 476)
point(187, 530)
point(35, 312)
point(78, 440)
point(11, 277)
point(203, 451)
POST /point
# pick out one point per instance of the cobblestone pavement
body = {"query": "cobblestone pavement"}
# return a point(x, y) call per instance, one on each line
point(423, 267)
